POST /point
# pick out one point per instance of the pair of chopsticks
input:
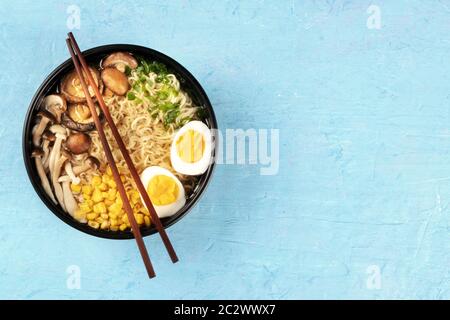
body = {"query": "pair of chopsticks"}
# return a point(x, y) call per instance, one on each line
point(82, 67)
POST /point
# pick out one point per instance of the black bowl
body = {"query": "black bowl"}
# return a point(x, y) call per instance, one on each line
point(188, 83)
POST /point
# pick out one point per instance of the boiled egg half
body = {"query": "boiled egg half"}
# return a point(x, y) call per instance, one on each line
point(164, 189)
point(190, 152)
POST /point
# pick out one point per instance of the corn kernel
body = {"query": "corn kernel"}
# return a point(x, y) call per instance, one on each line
point(105, 179)
point(108, 202)
point(91, 216)
point(99, 208)
point(102, 208)
point(104, 225)
point(115, 208)
point(111, 194)
point(93, 224)
point(84, 207)
point(135, 197)
point(109, 171)
point(137, 206)
point(147, 221)
point(104, 216)
point(103, 186)
point(112, 215)
point(80, 215)
point(99, 220)
point(96, 181)
point(139, 218)
point(76, 188)
point(125, 219)
point(95, 208)
point(97, 195)
point(114, 222)
point(122, 227)
point(112, 184)
point(113, 228)
point(86, 190)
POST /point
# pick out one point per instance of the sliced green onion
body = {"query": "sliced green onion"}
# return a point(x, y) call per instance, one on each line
point(131, 96)
point(127, 71)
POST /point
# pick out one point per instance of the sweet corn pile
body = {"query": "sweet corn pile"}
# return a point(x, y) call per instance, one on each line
point(101, 205)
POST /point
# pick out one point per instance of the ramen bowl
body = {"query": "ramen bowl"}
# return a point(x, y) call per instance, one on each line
point(187, 82)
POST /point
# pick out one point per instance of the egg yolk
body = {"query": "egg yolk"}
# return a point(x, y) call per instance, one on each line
point(190, 146)
point(162, 190)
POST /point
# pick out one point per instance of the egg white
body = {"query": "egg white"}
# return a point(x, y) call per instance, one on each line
point(195, 168)
point(169, 209)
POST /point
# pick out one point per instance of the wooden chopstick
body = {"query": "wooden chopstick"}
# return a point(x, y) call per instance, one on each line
point(134, 226)
point(125, 154)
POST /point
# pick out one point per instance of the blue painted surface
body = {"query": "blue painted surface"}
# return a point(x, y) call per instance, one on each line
point(364, 176)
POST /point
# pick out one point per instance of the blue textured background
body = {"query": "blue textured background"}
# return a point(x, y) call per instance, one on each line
point(364, 173)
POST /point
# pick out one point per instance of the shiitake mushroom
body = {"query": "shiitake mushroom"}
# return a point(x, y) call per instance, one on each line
point(78, 117)
point(115, 81)
point(70, 86)
point(78, 143)
point(120, 60)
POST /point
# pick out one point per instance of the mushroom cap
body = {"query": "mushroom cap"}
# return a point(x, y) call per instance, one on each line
point(119, 60)
point(48, 135)
point(93, 162)
point(115, 81)
point(55, 104)
point(78, 143)
point(78, 117)
point(80, 112)
point(56, 128)
point(37, 152)
point(45, 114)
point(70, 86)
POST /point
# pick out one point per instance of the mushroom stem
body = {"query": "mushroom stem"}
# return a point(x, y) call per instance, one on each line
point(69, 201)
point(39, 130)
point(63, 178)
point(44, 181)
point(80, 169)
point(48, 137)
point(60, 134)
point(70, 173)
point(55, 175)
point(46, 154)
point(55, 152)
point(46, 117)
